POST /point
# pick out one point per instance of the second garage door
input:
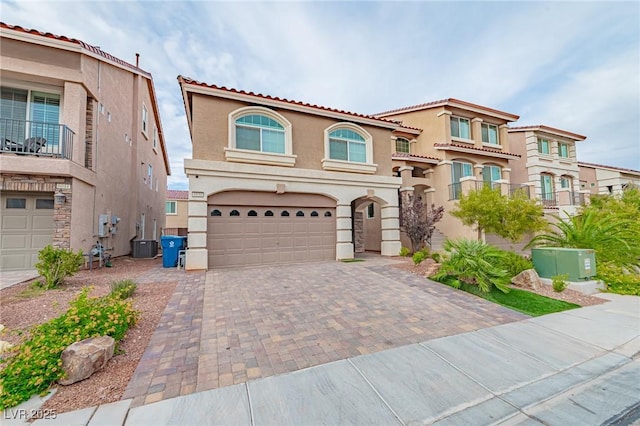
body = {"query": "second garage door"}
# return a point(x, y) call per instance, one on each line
point(253, 235)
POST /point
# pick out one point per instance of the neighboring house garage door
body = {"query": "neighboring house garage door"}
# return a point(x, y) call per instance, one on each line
point(27, 226)
point(240, 235)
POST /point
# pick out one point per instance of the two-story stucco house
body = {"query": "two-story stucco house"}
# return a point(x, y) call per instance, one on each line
point(455, 147)
point(82, 153)
point(601, 179)
point(548, 162)
point(277, 181)
point(177, 206)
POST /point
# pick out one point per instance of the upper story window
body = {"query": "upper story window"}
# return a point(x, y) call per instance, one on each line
point(459, 169)
point(402, 145)
point(150, 175)
point(347, 145)
point(544, 147)
point(460, 128)
point(491, 173)
point(563, 150)
point(171, 207)
point(260, 133)
point(155, 138)
point(490, 134)
point(261, 136)
point(145, 119)
point(348, 148)
point(566, 182)
point(28, 113)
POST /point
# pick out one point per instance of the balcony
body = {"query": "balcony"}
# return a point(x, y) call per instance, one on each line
point(516, 189)
point(36, 138)
point(563, 198)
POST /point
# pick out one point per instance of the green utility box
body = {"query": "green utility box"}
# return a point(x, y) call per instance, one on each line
point(579, 264)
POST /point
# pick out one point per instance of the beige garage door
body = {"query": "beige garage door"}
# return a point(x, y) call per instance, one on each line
point(253, 235)
point(27, 226)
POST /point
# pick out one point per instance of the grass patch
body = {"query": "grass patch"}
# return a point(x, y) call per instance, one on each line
point(520, 300)
point(33, 290)
point(352, 260)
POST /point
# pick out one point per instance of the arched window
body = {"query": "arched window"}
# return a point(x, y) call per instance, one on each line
point(314, 213)
point(234, 213)
point(300, 213)
point(402, 145)
point(268, 213)
point(347, 145)
point(216, 212)
point(284, 213)
point(260, 133)
point(252, 213)
point(327, 214)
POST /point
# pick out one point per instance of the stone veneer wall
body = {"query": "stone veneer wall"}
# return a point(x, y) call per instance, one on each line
point(50, 184)
point(88, 135)
point(358, 231)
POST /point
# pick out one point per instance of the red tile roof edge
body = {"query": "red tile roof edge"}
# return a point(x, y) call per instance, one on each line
point(585, 164)
point(193, 82)
point(542, 127)
point(444, 145)
point(408, 155)
point(177, 194)
point(86, 46)
point(447, 101)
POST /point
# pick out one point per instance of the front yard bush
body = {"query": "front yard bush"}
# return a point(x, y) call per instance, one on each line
point(55, 264)
point(34, 365)
point(618, 279)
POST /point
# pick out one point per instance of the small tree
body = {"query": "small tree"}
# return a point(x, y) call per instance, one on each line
point(418, 222)
point(55, 264)
point(489, 211)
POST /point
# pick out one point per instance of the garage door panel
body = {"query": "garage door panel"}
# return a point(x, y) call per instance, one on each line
point(259, 239)
point(40, 223)
point(14, 242)
point(40, 241)
point(15, 261)
point(15, 223)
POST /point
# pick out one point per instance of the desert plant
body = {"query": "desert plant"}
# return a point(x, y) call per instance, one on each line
point(405, 251)
point(418, 257)
point(55, 264)
point(614, 239)
point(36, 363)
point(515, 263)
point(559, 282)
point(474, 262)
point(122, 289)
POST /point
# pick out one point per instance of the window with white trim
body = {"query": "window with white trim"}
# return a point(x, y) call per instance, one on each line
point(155, 138)
point(347, 145)
point(566, 182)
point(491, 173)
point(490, 134)
point(459, 170)
point(150, 175)
point(546, 187)
point(402, 145)
point(260, 133)
point(171, 207)
point(145, 118)
point(544, 147)
point(460, 128)
point(563, 150)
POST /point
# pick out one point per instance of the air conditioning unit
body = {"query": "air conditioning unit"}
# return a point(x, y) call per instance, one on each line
point(143, 249)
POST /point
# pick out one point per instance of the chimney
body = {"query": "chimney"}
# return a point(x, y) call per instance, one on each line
point(137, 60)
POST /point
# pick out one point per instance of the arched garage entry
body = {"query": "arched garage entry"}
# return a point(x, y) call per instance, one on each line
point(261, 228)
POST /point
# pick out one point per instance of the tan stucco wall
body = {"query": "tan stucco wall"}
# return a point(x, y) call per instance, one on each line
point(114, 183)
point(518, 166)
point(210, 129)
point(178, 220)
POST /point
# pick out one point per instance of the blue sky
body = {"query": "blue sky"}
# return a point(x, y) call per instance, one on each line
point(570, 65)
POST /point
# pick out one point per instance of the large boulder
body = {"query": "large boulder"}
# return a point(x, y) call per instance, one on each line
point(81, 359)
point(527, 279)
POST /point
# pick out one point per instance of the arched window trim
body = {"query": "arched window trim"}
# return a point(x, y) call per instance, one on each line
point(349, 166)
point(232, 153)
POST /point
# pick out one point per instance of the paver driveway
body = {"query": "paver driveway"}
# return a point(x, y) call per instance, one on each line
point(262, 321)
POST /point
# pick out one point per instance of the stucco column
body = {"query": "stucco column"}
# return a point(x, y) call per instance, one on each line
point(476, 132)
point(73, 116)
point(390, 225)
point(467, 184)
point(503, 137)
point(344, 244)
point(429, 193)
point(504, 187)
point(197, 254)
point(564, 197)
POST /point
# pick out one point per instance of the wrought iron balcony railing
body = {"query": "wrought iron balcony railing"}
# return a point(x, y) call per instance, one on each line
point(35, 138)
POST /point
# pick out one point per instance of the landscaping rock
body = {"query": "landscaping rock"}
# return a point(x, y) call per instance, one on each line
point(81, 359)
point(527, 279)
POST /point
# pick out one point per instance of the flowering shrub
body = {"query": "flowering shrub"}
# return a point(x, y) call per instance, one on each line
point(36, 363)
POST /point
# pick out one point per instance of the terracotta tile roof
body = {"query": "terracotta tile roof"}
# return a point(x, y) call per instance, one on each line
point(409, 156)
point(190, 81)
point(583, 164)
point(494, 151)
point(450, 102)
point(543, 128)
point(174, 194)
point(86, 46)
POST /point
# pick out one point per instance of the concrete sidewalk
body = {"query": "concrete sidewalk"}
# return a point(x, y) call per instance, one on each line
point(576, 367)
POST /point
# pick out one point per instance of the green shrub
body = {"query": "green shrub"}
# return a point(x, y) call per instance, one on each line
point(405, 251)
point(618, 280)
point(474, 262)
point(436, 256)
point(515, 263)
point(418, 257)
point(123, 289)
point(36, 363)
point(559, 282)
point(55, 264)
